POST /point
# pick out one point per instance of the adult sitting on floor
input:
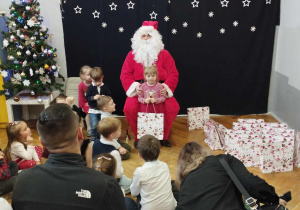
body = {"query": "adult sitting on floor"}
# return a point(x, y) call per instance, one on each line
point(64, 181)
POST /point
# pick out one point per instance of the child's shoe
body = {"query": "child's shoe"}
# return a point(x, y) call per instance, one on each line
point(125, 183)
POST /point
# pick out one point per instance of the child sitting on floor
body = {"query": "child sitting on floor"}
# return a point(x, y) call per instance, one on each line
point(110, 129)
point(8, 172)
point(107, 106)
point(20, 146)
point(152, 181)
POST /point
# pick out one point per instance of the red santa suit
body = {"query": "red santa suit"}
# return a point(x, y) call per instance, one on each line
point(167, 75)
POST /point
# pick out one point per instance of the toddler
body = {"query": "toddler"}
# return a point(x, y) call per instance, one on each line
point(152, 181)
point(110, 129)
point(105, 163)
point(151, 92)
point(26, 155)
point(82, 88)
point(107, 106)
point(8, 172)
point(93, 93)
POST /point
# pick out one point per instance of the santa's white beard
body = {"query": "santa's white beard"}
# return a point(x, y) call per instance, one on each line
point(146, 51)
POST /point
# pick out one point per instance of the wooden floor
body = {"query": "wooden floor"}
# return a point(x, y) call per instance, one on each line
point(179, 136)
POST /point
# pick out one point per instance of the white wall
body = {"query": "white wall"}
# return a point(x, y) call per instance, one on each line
point(284, 97)
point(50, 11)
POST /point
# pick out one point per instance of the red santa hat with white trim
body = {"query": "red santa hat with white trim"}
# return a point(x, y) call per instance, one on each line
point(148, 27)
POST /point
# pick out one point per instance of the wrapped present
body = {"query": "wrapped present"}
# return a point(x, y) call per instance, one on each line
point(274, 125)
point(234, 143)
point(197, 117)
point(251, 121)
point(297, 150)
point(150, 123)
point(241, 126)
point(215, 135)
point(251, 150)
point(276, 155)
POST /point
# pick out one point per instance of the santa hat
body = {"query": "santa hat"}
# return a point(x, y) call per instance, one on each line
point(148, 27)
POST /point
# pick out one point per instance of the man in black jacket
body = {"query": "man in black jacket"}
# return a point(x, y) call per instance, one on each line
point(64, 181)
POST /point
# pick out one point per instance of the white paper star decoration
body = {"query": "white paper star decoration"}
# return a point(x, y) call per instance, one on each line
point(210, 14)
point(4, 73)
point(77, 9)
point(30, 23)
point(195, 3)
point(222, 30)
point(41, 70)
point(96, 14)
point(253, 28)
point(199, 35)
point(26, 82)
point(268, 1)
point(130, 5)
point(235, 23)
point(113, 6)
point(166, 18)
point(174, 31)
point(19, 53)
point(17, 76)
point(224, 3)
point(121, 29)
point(153, 15)
point(104, 24)
point(246, 3)
point(185, 24)
point(24, 63)
point(5, 43)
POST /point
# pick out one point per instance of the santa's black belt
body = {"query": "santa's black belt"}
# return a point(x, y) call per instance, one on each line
point(142, 81)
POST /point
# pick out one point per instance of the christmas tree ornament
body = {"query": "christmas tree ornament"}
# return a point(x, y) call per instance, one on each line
point(32, 93)
point(40, 100)
point(14, 25)
point(34, 56)
point(32, 38)
point(11, 58)
point(7, 92)
point(42, 55)
point(12, 9)
point(36, 33)
point(46, 66)
point(16, 62)
point(16, 98)
point(53, 68)
point(22, 36)
point(25, 27)
point(41, 34)
point(37, 72)
point(54, 55)
point(45, 51)
point(23, 74)
point(27, 7)
point(49, 51)
point(28, 52)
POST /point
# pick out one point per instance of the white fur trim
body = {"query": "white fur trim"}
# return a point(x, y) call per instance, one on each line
point(131, 90)
point(169, 91)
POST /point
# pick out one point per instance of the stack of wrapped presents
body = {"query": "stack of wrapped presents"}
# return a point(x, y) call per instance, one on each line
point(269, 146)
point(197, 117)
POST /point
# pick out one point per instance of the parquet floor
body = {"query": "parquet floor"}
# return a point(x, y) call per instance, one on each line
point(179, 136)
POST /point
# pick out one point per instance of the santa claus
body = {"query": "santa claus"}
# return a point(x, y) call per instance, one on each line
point(147, 50)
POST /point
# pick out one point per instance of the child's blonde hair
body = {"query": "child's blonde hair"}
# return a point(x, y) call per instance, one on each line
point(150, 70)
point(60, 97)
point(103, 101)
point(105, 163)
point(108, 125)
point(83, 70)
point(12, 132)
point(96, 73)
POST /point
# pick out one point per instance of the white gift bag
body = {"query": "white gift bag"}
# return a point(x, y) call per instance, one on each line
point(151, 124)
point(197, 117)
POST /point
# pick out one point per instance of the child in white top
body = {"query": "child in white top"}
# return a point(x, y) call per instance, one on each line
point(107, 106)
point(20, 146)
point(152, 181)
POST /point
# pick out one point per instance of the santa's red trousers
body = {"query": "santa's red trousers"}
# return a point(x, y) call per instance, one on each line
point(132, 107)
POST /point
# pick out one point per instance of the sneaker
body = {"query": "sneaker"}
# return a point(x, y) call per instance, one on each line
point(88, 133)
point(125, 183)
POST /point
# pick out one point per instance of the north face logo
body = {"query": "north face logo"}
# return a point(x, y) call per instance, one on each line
point(83, 193)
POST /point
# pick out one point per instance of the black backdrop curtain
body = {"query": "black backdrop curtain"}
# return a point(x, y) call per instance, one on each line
point(222, 49)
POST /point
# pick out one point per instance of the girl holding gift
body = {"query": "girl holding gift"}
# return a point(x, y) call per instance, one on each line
point(151, 92)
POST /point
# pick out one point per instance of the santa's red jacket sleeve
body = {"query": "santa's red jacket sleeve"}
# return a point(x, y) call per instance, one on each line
point(167, 72)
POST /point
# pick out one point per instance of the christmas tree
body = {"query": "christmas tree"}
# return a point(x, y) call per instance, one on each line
point(30, 64)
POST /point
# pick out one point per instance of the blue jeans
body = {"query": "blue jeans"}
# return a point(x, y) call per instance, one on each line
point(130, 204)
point(94, 122)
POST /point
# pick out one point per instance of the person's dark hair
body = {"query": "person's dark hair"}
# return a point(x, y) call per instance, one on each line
point(190, 157)
point(57, 125)
point(105, 163)
point(96, 73)
point(149, 147)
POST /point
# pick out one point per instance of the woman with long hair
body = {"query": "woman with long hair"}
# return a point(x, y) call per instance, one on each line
point(205, 184)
